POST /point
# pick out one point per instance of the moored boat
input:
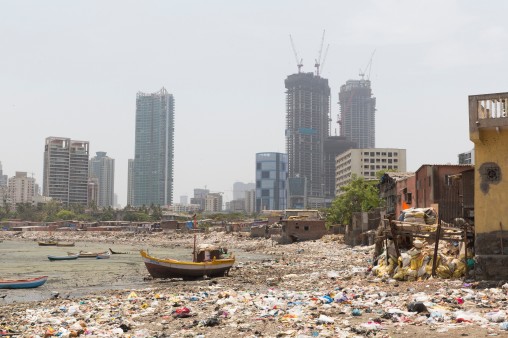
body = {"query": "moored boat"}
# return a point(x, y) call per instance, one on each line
point(104, 255)
point(22, 283)
point(63, 258)
point(211, 265)
point(65, 244)
point(87, 254)
point(48, 243)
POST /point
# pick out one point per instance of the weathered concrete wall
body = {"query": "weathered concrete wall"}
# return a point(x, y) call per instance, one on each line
point(490, 136)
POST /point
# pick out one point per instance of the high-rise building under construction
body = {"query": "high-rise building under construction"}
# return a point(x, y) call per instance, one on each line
point(307, 127)
point(358, 113)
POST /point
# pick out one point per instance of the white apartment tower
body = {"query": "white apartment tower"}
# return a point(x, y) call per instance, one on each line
point(66, 170)
point(21, 189)
point(102, 168)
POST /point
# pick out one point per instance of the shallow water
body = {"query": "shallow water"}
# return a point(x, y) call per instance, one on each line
point(73, 278)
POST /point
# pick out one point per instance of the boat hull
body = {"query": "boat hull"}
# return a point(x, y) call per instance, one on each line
point(23, 283)
point(168, 268)
point(47, 243)
point(64, 244)
point(63, 258)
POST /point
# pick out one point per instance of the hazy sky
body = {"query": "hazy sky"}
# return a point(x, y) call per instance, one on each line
point(72, 69)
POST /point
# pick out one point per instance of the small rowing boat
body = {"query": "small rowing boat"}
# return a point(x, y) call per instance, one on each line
point(22, 283)
point(65, 244)
point(105, 255)
point(48, 243)
point(63, 258)
point(87, 254)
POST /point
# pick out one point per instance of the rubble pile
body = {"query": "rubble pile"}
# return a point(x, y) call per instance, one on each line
point(417, 263)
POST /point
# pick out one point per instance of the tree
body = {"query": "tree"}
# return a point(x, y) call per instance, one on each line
point(66, 215)
point(359, 195)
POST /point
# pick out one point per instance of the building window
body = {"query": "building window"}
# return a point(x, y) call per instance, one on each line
point(389, 154)
point(265, 174)
point(371, 153)
point(258, 166)
point(258, 184)
point(265, 193)
point(306, 228)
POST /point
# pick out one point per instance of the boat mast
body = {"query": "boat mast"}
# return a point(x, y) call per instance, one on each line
point(194, 229)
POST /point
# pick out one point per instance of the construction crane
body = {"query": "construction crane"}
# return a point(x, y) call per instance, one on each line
point(367, 68)
point(319, 61)
point(299, 61)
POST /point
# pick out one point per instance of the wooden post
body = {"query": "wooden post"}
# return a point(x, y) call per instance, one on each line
point(434, 259)
point(393, 229)
point(465, 250)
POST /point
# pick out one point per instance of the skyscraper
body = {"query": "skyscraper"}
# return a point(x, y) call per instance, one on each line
point(154, 149)
point(3, 178)
point(271, 180)
point(66, 170)
point(307, 127)
point(358, 113)
point(130, 182)
point(102, 168)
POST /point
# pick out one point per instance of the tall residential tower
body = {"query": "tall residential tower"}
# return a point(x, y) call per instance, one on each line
point(154, 149)
point(66, 170)
point(102, 168)
point(307, 127)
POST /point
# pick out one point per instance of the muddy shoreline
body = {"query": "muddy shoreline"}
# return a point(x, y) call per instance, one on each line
point(318, 288)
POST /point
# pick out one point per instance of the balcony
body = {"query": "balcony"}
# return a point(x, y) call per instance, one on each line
point(487, 112)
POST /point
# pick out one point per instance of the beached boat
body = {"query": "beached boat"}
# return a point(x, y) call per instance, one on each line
point(87, 254)
point(22, 283)
point(48, 243)
point(104, 255)
point(209, 262)
point(63, 258)
point(65, 244)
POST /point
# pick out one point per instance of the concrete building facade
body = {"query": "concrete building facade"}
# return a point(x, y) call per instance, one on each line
point(357, 117)
point(102, 168)
point(250, 201)
point(334, 145)
point(21, 189)
point(130, 182)
point(307, 127)
point(366, 162)
point(488, 130)
point(65, 173)
point(213, 202)
point(271, 180)
point(3, 178)
point(154, 149)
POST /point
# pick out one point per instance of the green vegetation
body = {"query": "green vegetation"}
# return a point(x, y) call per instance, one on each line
point(54, 211)
point(359, 195)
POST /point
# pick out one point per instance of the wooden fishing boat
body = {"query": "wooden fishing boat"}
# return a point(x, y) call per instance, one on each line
point(48, 243)
point(22, 283)
point(104, 255)
point(87, 254)
point(63, 258)
point(65, 244)
point(211, 265)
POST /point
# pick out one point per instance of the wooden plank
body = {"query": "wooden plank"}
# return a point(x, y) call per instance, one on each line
point(434, 260)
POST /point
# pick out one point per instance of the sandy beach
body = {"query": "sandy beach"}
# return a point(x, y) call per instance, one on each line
point(318, 288)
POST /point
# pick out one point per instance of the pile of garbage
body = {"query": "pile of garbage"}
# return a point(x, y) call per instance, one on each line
point(416, 263)
point(418, 215)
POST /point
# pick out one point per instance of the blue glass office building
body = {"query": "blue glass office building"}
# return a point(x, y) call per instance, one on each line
point(154, 149)
point(271, 178)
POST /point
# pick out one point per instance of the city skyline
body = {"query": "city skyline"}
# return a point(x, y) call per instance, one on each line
point(73, 70)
